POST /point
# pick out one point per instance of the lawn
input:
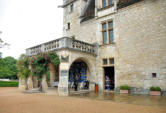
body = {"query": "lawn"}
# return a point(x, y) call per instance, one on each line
point(8, 84)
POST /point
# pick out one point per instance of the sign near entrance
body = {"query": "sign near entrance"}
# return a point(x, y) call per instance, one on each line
point(64, 77)
point(64, 73)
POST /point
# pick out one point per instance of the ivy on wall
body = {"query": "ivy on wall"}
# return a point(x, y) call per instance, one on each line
point(23, 66)
point(39, 64)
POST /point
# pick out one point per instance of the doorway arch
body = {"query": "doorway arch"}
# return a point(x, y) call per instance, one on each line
point(79, 73)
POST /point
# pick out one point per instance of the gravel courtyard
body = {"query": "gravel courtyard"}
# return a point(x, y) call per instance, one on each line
point(14, 101)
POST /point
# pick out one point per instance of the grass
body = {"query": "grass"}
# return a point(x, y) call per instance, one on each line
point(8, 84)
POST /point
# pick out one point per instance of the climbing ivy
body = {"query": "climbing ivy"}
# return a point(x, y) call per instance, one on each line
point(40, 63)
point(23, 66)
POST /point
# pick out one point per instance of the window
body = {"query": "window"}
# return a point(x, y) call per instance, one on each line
point(154, 75)
point(104, 27)
point(104, 61)
point(110, 2)
point(107, 32)
point(108, 61)
point(111, 33)
point(104, 3)
point(68, 25)
point(111, 60)
point(71, 8)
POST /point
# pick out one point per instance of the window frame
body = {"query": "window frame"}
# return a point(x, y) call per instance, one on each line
point(105, 3)
point(106, 60)
point(104, 30)
point(108, 2)
point(109, 30)
point(112, 58)
point(71, 8)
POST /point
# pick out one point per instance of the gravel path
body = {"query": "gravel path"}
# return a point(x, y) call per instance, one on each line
point(13, 101)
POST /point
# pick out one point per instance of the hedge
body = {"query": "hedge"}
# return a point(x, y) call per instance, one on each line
point(8, 84)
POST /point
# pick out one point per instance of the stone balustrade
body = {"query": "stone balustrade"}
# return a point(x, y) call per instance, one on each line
point(61, 43)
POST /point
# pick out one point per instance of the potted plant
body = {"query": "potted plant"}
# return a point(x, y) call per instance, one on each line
point(124, 89)
point(155, 91)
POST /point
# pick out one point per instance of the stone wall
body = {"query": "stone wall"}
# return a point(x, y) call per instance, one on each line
point(81, 31)
point(141, 41)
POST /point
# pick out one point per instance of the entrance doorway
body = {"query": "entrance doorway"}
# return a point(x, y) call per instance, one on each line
point(109, 77)
point(78, 76)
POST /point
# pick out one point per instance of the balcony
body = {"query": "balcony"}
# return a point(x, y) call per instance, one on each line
point(63, 43)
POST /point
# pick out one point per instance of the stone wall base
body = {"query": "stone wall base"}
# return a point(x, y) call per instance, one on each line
point(139, 91)
point(63, 91)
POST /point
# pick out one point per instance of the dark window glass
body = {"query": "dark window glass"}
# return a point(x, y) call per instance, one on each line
point(110, 2)
point(111, 60)
point(104, 26)
point(105, 37)
point(154, 75)
point(111, 36)
point(105, 61)
point(72, 8)
point(68, 25)
point(104, 3)
point(110, 25)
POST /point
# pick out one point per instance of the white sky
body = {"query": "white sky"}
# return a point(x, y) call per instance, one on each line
point(26, 23)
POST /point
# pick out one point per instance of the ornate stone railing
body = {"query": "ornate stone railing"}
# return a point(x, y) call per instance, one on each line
point(61, 43)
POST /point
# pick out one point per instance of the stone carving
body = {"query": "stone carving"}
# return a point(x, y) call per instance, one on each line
point(64, 59)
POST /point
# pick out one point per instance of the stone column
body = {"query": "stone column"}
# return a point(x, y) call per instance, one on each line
point(52, 74)
point(63, 79)
point(29, 81)
point(22, 84)
point(35, 82)
point(44, 83)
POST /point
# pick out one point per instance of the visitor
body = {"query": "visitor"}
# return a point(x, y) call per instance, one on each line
point(86, 85)
point(76, 82)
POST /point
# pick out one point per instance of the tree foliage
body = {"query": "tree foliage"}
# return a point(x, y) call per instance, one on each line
point(8, 68)
point(22, 66)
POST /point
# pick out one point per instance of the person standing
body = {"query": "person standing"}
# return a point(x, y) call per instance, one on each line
point(76, 83)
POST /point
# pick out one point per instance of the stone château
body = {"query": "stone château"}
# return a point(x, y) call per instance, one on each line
point(123, 41)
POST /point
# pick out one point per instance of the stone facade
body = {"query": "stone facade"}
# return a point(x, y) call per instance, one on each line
point(138, 47)
point(139, 41)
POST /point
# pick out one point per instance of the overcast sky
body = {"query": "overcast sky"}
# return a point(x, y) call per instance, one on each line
point(26, 23)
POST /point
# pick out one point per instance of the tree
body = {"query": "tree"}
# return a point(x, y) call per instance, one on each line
point(2, 44)
point(8, 68)
point(22, 67)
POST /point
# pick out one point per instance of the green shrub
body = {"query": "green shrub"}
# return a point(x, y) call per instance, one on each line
point(8, 84)
point(125, 87)
point(155, 88)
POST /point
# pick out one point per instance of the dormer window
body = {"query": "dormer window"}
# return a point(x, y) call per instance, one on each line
point(110, 2)
point(71, 8)
point(104, 3)
point(107, 3)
